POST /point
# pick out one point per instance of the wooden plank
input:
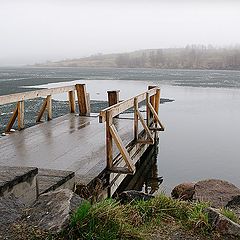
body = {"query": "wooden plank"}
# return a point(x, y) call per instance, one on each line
point(150, 138)
point(20, 107)
point(42, 110)
point(12, 120)
point(49, 107)
point(71, 99)
point(124, 105)
point(109, 142)
point(122, 170)
point(122, 148)
point(11, 98)
point(135, 130)
point(83, 105)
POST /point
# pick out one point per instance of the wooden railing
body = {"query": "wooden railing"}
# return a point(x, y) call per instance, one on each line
point(152, 124)
point(19, 98)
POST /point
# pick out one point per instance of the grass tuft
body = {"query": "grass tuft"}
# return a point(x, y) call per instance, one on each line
point(230, 214)
point(109, 219)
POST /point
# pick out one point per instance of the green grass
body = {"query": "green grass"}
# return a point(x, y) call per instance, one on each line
point(230, 214)
point(111, 220)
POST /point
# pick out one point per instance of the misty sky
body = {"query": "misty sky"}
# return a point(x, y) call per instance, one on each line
point(39, 30)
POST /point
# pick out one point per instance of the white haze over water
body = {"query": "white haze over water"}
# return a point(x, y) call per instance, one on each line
point(39, 30)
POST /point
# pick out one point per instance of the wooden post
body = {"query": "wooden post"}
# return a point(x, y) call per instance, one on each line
point(113, 98)
point(152, 101)
point(71, 99)
point(20, 110)
point(157, 100)
point(109, 141)
point(49, 107)
point(135, 119)
point(84, 108)
point(148, 110)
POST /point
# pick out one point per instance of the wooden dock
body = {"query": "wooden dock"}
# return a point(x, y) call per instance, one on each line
point(78, 142)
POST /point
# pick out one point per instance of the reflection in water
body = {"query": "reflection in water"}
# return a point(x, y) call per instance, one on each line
point(146, 178)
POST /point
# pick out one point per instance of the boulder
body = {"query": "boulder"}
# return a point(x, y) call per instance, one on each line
point(52, 210)
point(183, 191)
point(222, 224)
point(11, 210)
point(217, 192)
point(234, 205)
point(132, 195)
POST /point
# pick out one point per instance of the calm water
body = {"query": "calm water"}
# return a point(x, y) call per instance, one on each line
point(202, 137)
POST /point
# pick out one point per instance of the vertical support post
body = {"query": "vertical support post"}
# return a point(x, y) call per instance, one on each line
point(152, 101)
point(20, 112)
point(113, 98)
point(135, 119)
point(49, 107)
point(84, 108)
point(157, 100)
point(109, 141)
point(148, 110)
point(71, 98)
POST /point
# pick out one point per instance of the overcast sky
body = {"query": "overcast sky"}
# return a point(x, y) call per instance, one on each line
point(39, 30)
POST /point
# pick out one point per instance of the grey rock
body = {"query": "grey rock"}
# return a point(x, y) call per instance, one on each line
point(133, 195)
point(234, 205)
point(183, 191)
point(52, 210)
point(217, 192)
point(11, 210)
point(222, 224)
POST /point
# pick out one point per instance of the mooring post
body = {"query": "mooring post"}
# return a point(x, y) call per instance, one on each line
point(71, 99)
point(113, 98)
point(83, 103)
point(20, 110)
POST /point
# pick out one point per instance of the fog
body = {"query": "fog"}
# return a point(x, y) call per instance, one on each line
point(36, 31)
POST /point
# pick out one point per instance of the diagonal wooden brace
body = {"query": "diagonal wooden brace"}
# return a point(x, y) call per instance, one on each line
point(122, 148)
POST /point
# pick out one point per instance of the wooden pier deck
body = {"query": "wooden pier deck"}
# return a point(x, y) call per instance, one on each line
point(71, 143)
point(77, 142)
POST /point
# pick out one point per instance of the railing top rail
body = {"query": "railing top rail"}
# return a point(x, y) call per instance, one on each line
point(11, 98)
point(124, 105)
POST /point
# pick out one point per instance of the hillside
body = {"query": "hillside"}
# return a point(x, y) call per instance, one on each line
point(190, 57)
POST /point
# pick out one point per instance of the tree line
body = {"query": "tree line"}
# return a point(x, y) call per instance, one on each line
point(190, 57)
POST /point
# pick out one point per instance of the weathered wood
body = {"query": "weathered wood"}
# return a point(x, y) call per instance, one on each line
point(150, 138)
point(157, 100)
point(147, 110)
point(16, 97)
point(113, 97)
point(152, 100)
point(135, 130)
point(83, 104)
point(122, 148)
point(122, 170)
point(20, 107)
point(109, 142)
point(12, 120)
point(124, 105)
point(71, 99)
point(49, 107)
point(42, 110)
point(155, 115)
